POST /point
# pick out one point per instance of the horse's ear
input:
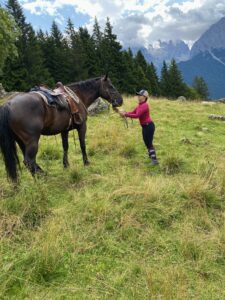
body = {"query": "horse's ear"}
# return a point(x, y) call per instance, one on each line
point(106, 76)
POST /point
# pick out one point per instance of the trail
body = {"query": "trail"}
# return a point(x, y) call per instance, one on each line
point(216, 58)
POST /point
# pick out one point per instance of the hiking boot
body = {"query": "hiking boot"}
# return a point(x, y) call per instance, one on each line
point(155, 162)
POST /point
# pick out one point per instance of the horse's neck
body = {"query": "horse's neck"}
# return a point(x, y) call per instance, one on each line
point(87, 96)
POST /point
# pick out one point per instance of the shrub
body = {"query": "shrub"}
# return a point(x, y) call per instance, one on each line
point(76, 176)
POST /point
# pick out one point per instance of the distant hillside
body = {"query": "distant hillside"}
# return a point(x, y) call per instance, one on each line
point(209, 65)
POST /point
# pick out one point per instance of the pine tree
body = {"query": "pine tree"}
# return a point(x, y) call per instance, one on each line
point(112, 55)
point(75, 53)
point(97, 34)
point(98, 38)
point(191, 93)
point(152, 76)
point(34, 62)
point(57, 55)
point(176, 81)
point(56, 35)
point(47, 47)
point(127, 73)
point(141, 81)
point(201, 87)
point(165, 86)
point(140, 59)
point(70, 33)
point(15, 9)
point(89, 55)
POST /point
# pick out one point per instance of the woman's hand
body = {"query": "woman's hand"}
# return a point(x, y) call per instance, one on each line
point(122, 113)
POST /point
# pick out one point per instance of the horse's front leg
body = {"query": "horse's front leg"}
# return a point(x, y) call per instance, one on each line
point(65, 143)
point(82, 133)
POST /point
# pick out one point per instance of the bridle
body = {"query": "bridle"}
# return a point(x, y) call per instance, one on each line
point(110, 94)
point(113, 100)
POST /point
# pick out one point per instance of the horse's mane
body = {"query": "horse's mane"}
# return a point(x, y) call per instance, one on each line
point(85, 84)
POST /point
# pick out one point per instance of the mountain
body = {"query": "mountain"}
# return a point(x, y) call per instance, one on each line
point(167, 51)
point(213, 38)
point(212, 70)
point(208, 60)
point(164, 50)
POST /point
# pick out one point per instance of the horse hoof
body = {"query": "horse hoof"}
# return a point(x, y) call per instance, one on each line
point(39, 173)
point(87, 163)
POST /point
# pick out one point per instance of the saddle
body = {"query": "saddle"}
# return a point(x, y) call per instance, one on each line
point(62, 97)
point(71, 98)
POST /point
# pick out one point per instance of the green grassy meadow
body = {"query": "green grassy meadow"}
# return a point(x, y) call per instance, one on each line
point(121, 228)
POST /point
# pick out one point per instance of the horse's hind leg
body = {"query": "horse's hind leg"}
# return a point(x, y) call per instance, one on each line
point(31, 148)
point(82, 133)
point(23, 149)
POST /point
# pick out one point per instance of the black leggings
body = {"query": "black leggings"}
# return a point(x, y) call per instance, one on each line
point(148, 134)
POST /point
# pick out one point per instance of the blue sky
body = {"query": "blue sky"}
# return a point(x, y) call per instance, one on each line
point(44, 21)
point(136, 22)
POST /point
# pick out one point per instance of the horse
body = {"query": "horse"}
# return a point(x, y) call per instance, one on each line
point(25, 117)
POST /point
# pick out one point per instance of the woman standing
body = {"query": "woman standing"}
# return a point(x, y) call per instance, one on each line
point(142, 113)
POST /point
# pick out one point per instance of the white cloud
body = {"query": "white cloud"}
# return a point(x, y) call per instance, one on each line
point(139, 22)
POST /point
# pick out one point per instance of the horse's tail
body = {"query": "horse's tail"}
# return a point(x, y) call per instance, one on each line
point(8, 144)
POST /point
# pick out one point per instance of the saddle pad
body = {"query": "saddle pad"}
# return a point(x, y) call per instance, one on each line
point(43, 97)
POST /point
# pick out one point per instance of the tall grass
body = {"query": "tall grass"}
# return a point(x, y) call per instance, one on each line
point(120, 228)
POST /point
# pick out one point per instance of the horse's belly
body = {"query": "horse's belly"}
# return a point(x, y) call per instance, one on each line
point(53, 130)
point(55, 122)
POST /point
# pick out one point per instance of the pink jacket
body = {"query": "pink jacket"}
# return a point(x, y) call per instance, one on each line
point(141, 112)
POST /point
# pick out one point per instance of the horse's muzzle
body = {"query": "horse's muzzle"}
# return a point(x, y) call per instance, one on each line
point(117, 102)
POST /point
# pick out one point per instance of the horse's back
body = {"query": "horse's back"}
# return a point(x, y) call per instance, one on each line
point(26, 102)
point(26, 113)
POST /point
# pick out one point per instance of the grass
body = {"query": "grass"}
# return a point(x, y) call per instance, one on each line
point(120, 228)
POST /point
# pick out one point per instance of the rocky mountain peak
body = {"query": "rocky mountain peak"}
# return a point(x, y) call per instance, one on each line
point(213, 38)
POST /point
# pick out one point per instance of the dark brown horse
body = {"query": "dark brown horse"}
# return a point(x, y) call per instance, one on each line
point(26, 117)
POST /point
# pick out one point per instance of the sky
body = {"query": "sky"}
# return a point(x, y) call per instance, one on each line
point(136, 22)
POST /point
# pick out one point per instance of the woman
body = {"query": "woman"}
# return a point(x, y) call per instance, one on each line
point(141, 112)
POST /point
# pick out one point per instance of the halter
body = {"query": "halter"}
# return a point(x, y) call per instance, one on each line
point(106, 90)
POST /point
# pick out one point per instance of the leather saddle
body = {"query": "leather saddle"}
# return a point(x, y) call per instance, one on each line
point(70, 96)
point(59, 89)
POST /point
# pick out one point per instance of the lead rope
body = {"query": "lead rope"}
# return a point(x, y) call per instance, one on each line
point(126, 124)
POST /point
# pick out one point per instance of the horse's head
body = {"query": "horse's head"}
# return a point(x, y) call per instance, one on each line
point(109, 92)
